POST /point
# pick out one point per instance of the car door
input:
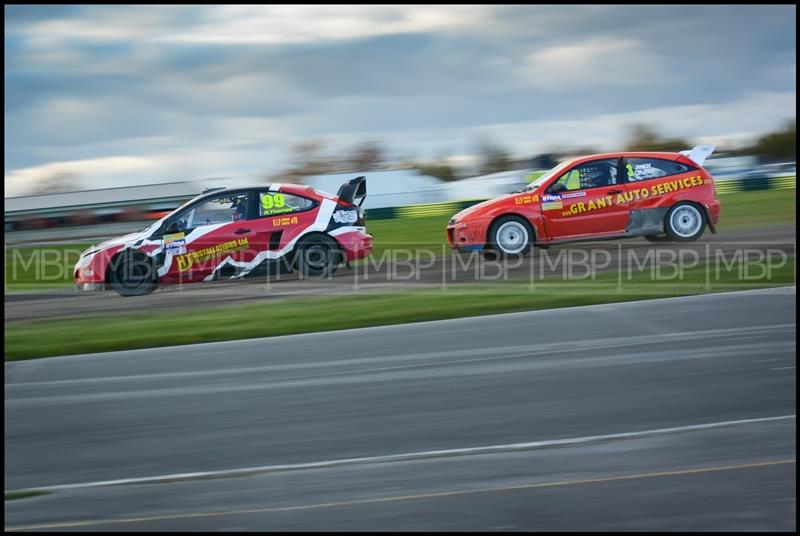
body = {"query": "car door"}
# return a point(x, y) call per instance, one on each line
point(212, 236)
point(280, 218)
point(582, 202)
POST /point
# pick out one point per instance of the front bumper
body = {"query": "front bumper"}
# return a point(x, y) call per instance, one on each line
point(90, 287)
point(468, 236)
point(91, 270)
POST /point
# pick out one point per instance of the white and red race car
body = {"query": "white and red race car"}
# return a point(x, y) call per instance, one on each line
point(232, 233)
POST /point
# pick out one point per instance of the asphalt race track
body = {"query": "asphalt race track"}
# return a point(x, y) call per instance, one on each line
point(418, 268)
point(673, 414)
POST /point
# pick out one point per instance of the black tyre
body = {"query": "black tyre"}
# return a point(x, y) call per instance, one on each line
point(510, 236)
point(132, 274)
point(657, 239)
point(318, 256)
point(684, 222)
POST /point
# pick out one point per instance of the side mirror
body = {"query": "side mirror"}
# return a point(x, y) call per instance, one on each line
point(557, 188)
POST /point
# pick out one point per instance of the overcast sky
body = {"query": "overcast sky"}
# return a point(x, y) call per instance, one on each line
point(136, 95)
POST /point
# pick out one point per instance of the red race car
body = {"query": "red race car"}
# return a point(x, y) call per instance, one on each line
point(660, 196)
point(232, 233)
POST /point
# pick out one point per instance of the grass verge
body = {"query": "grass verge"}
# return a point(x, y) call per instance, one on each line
point(31, 339)
point(25, 494)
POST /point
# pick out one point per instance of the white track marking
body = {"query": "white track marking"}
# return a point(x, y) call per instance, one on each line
point(411, 456)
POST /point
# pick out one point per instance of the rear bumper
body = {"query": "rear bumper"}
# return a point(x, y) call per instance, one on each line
point(714, 210)
point(355, 244)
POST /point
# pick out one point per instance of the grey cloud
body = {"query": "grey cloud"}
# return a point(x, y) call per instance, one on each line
point(452, 79)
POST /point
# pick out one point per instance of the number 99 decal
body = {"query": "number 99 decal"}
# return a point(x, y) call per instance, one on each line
point(273, 204)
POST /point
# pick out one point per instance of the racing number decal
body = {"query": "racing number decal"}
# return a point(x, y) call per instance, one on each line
point(273, 204)
point(270, 201)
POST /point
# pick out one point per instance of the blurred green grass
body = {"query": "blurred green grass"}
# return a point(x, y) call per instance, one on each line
point(25, 494)
point(44, 267)
point(740, 210)
point(31, 339)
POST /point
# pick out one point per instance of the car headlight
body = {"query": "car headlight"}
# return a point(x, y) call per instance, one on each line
point(85, 259)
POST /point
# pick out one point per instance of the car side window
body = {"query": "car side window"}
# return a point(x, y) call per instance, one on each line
point(221, 209)
point(640, 169)
point(271, 203)
point(594, 174)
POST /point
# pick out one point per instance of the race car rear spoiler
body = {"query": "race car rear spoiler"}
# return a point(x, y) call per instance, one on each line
point(699, 153)
point(353, 189)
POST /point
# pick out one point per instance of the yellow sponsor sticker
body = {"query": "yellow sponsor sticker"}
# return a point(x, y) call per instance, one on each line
point(526, 199)
point(552, 205)
point(186, 261)
point(286, 220)
point(173, 237)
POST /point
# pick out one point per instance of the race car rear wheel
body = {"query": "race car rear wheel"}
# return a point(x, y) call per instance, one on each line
point(318, 256)
point(510, 236)
point(132, 274)
point(684, 222)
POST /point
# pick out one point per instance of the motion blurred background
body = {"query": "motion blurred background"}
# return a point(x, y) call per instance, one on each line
point(115, 115)
point(395, 395)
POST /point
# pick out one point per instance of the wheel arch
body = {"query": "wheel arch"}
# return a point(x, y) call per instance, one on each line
point(507, 215)
point(308, 236)
point(112, 263)
point(704, 212)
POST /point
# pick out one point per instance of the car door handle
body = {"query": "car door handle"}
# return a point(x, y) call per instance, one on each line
point(241, 231)
point(614, 192)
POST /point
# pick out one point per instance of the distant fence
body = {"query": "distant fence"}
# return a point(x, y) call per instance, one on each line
point(439, 209)
point(755, 183)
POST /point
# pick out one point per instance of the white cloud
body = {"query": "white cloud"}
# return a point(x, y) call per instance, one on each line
point(103, 24)
point(728, 122)
point(306, 23)
point(104, 169)
point(591, 63)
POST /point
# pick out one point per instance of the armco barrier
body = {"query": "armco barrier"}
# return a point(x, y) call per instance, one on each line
point(437, 209)
point(419, 211)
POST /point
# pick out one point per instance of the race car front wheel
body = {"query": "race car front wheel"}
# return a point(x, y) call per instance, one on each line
point(510, 236)
point(318, 256)
point(684, 222)
point(132, 274)
point(657, 238)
